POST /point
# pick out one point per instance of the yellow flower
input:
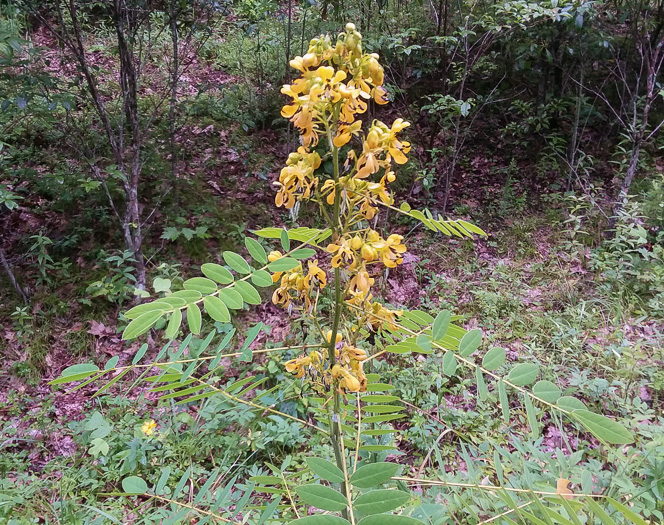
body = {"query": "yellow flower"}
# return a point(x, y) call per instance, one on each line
point(344, 255)
point(148, 427)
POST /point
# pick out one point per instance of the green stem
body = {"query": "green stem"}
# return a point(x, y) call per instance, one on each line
point(335, 430)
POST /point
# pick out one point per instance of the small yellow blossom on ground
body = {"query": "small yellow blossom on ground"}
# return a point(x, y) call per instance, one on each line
point(148, 427)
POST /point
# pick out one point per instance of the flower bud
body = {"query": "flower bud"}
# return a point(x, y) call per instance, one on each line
point(356, 243)
point(274, 256)
point(369, 253)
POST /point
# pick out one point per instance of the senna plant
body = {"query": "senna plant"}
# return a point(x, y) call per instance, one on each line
point(344, 167)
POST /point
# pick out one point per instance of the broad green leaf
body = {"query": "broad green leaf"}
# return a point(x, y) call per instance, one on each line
point(373, 474)
point(217, 273)
point(231, 298)
point(322, 497)
point(380, 399)
point(381, 500)
point(112, 362)
point(547, 391)
point(248, 292)
point(379, 387)
point(161, 285)
point(200, 284)
point(471, 227)
point(449, 364)
point(261, 278)
point(494, 358)
point(320, 519)
point(388, 519)
point(424, 343)
point(283, 265)
point(570, 403)
point(399, 348)
point(174, 324)
point(325, 469)
point(255, 250)
point(405, 207)
point(303, 253)
point(141, 324)
point(236, 262)
point(134, 485)
point(141, 352)
point(604, 428)
point(523, 374)
point(216, 309)
point(83, 368)
point(141, 309)
point(191, 296)
point(285, 240)
point(174, 302)
point(420, 317)
point(532, 416)
point(76, 377)
point(440, 324)
point(470, 342)
point(194, 319)
point(504, 401)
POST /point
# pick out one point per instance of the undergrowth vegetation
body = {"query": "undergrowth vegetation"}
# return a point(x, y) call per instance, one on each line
point(238, 286)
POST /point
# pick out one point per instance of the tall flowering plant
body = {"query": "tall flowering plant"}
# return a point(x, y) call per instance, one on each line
point(337, 82)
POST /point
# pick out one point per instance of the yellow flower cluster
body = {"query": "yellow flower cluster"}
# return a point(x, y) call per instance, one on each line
point(335, 84)
point(349, 250)
point(297, 178)
point(347, 370)
point(296, 284)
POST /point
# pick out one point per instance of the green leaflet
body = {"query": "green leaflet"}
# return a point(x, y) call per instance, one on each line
point(174, 324)
point(256, 251)
point(283, 265)
point(325, 469)
point(249, 294)
point(322, 497)
point(194, 319)
point(547, 391)
point(494, 358)
point(134, 485)
point(285, 240)
point(449, 364)
point(236, 262)
point(231, 298)
point(470, 342)
point(200, 284)
point(604, 428)
point(261, 278)
point(141, 324)
point(141, 309)
point(217, 273)
point(381, 500)
point(373, 474)
point(523, 374)
point(440, 324)
point(216, 309)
